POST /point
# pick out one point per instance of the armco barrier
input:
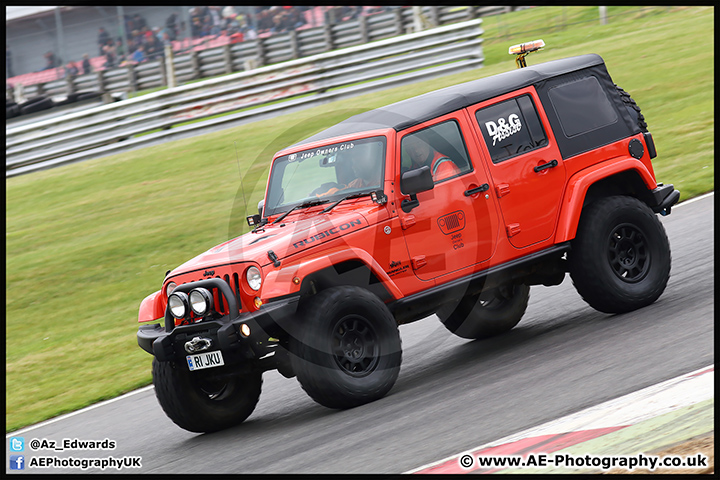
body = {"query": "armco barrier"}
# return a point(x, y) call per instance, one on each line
point(158, 117)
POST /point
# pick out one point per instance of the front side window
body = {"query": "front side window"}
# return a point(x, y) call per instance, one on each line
point(511, 128)
point(326, 173)
point(440, 147)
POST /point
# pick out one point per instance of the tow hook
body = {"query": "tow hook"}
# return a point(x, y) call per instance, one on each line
point(198, 344)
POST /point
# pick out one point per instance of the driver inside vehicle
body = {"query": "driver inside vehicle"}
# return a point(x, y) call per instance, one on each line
point(422, 154)
point(358, 170)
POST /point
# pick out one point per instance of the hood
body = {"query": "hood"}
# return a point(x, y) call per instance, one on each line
point(300, 231)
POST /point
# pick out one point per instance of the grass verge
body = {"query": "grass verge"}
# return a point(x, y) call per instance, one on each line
point(88, 241)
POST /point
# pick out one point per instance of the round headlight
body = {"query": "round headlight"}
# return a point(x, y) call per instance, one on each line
point(200, 301)
point(178, 303)
point(254, 278)
point(170, 287)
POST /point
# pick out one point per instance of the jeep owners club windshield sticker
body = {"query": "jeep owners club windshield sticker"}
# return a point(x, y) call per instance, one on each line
point(320, 151)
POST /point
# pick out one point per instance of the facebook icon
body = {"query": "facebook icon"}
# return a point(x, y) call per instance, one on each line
point(17, 462)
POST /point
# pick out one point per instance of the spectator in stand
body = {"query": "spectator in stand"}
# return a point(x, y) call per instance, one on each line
point(146, 35)
point(264, 20)
point(71, 70)
point(50, 61)
point(139, 55)
point(110, 56)
point(279, 22)
point(103, 38)
point(228, 12)
point(196, 27)
point(135, 38)
point(206, 26)
point(8, 62)
point(129, 25)
point(86, 64)
point(171, 26)
point(215, 20)
point(139, 22)
point(119, 50)
point(166, 41)
point(231, 25)
point(154, 46)
point(295, 18)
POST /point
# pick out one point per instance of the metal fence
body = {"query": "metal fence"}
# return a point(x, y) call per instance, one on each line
point(163, 115)
point(206, 60)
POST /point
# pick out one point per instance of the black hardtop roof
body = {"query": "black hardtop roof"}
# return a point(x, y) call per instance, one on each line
point(416, 110)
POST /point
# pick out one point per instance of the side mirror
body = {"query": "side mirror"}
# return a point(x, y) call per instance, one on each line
point(254, 220)
point(412, 183)
point(416, 181)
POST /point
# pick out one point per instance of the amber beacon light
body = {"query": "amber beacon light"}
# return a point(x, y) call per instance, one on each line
point(522, 49)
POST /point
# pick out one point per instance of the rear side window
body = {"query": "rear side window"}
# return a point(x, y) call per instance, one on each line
point(511, 128)
point(582, 106)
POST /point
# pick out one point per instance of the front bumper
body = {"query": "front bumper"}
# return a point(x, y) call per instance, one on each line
point(168, 343)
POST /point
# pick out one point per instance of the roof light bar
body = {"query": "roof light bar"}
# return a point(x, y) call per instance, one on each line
point(522, 49)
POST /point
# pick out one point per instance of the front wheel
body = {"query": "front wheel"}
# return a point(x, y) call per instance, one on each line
point(487, 314)
point(198, 402)
point(620, 258)
point(349, 353)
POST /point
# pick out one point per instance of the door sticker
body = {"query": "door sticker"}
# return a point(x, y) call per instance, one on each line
point(452, 222)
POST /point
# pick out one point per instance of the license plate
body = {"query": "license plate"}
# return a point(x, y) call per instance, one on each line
point(205, 360)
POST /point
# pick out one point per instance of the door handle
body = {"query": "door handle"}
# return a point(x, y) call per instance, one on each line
point(475, 190)
point(545, 166)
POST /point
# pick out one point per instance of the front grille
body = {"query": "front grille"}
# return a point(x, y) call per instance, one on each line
point(220, 303)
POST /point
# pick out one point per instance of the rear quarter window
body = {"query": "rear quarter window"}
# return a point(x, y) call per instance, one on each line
point(582, 106)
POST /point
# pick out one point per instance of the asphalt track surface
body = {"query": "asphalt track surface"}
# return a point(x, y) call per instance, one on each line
point(452, 394)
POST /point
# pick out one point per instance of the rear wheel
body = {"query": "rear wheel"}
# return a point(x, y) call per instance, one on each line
point(198, 402)
point(620, 258)
point(349, 353)
point(487, 314)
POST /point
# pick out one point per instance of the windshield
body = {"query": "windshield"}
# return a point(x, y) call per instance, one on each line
point(326, 173)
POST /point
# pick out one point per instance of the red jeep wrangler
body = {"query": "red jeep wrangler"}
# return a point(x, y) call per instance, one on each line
point(452, 203)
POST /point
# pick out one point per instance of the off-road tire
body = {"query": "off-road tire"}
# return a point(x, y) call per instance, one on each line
point(620, 257)
point(349, 352)
point(197, 403)
point(633, 108)
point(486, 314)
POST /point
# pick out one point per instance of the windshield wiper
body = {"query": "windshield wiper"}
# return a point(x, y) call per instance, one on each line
point(348, 197)
point(311, 203)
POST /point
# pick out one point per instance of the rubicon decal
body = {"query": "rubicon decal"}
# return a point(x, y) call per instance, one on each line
point(328, 233)
point(503, 128)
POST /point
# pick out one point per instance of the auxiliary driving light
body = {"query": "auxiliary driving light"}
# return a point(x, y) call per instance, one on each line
point(254, 278)
point(200, 301)
point(245, 330)
point(179, 304)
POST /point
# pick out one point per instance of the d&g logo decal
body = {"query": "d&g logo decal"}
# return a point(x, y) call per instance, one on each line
point(503, 128)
